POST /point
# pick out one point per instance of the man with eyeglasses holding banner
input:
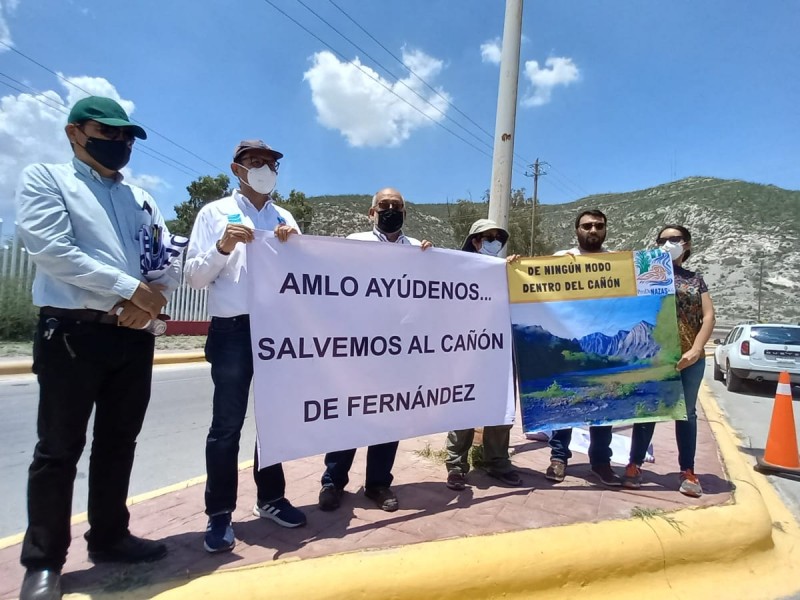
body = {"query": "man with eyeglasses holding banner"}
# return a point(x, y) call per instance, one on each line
point(387, 213)
point(84, 228)
point(590, 229)
point(216, 259)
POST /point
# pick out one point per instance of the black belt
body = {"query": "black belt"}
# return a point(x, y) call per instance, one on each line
point(85, 315)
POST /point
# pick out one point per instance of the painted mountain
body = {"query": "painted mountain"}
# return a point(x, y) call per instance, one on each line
point(540, 353)
point(628, 345)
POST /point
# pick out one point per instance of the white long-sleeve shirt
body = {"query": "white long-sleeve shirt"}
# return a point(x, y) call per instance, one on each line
point(377, 236)
point(226, 276)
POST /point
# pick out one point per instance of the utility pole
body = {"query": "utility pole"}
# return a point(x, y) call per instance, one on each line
point(503, 157)
point(538, 169)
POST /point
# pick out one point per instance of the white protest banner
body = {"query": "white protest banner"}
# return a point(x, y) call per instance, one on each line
point(359, 343)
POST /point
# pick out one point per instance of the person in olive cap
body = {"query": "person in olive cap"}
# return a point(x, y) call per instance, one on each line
point(488, 238)
point(82, 225)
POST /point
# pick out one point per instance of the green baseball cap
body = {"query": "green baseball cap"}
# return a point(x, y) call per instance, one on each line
point(105, 111)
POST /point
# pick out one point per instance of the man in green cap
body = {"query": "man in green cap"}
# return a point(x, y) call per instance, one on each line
point(100, 279)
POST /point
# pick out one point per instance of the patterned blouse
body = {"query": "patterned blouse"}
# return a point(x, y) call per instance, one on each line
point(689, 287)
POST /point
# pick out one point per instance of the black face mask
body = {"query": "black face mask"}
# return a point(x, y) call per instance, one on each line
point(112, 154)
point(390, 220)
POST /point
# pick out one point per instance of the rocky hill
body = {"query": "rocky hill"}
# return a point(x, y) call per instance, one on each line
point(743, 233)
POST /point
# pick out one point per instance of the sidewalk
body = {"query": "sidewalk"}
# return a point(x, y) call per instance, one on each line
point(429, 511)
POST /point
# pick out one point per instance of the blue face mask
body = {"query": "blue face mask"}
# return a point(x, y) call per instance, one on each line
point(491, 248)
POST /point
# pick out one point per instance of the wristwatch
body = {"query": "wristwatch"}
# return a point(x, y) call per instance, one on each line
point(220, 250)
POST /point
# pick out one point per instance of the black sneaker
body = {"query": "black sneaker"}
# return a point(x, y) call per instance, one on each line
point(281, 511)
point(510, 478)
point(130, 549)
point(384, 497)
point(607, 475)
point(456, 480)
point(330, 497)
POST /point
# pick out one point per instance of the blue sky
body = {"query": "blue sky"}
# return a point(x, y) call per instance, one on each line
point(622, 95)
point(572, 320)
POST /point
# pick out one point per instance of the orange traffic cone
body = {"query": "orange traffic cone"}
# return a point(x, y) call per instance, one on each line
point(780, 455)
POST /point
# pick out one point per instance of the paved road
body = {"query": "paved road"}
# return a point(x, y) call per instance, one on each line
point(750, 415)
point(170, 448)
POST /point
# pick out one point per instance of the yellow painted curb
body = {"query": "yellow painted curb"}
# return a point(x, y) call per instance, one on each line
point(745, 549)
point(23, 367)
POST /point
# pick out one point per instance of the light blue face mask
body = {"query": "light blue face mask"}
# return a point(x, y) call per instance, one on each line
point(491, 248)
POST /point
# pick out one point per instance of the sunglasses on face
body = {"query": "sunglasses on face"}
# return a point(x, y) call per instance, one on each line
point(257, 162)
point(111, 133)
point(491, 237)
point(387, 204)
point(590, 226)
point(675, 239)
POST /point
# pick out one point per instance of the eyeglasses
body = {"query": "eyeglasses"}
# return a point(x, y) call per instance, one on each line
point(491, 237)
point(110, 132)
point(256, 162)
point(599, 226)
point(675, 239)
point(387, 204)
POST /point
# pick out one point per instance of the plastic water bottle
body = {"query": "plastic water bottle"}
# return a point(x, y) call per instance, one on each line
point(156, 327)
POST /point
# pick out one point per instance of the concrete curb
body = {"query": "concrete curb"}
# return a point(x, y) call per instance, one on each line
point(689, 553)
point(23, 367)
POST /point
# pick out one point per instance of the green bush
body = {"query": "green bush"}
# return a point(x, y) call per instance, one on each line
point(19, 314)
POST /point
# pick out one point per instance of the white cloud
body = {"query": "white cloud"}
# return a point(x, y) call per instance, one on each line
point(32, 130)
point(151, 183)
point(491, 52)
point(366, 113)
point(6, 8)
point(558, 70)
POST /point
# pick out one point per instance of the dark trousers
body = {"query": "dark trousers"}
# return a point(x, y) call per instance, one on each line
point(231, 356)
point(599, 445)
point(83, 366)
point(380, 460)
point(685, 431)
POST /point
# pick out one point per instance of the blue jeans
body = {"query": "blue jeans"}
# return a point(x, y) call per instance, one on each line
point(380, 460)
point(599, 445)
point(685, 431)
point(229, 351)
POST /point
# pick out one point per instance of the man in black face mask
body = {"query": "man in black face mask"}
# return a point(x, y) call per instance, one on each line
point(387, 213)
point(87, 231)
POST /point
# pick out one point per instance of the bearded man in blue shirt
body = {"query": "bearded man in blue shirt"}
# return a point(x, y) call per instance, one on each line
point(98, 286)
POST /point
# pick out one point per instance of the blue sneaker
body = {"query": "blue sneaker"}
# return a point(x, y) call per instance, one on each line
point(219, 534)
point(281, 511)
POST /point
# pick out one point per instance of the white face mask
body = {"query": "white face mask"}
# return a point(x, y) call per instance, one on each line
point(261, 180)
point(491, 248)
point(675, 250)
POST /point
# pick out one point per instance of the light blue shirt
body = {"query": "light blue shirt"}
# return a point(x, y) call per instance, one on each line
point(82, 232)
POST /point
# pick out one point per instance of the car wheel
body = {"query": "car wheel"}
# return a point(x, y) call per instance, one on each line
point(717, 372)
point(733, 382)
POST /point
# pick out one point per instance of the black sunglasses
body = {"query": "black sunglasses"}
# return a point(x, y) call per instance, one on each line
point(675, 239)
point(590, 226)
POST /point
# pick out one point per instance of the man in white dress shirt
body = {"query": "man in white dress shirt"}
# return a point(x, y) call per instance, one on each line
point(216, 259)
point(387, 213)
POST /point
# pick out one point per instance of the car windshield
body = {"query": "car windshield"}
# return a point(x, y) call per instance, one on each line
point(776, 335)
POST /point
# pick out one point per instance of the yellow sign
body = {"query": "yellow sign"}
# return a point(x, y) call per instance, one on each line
point(572, 277)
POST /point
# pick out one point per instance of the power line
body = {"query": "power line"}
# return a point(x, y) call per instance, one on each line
point(62, 109)
point(410, 70)
point(75, 85)
point(375, 79)
point(399, 80)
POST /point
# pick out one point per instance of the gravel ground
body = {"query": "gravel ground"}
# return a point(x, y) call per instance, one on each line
point(165, 343)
